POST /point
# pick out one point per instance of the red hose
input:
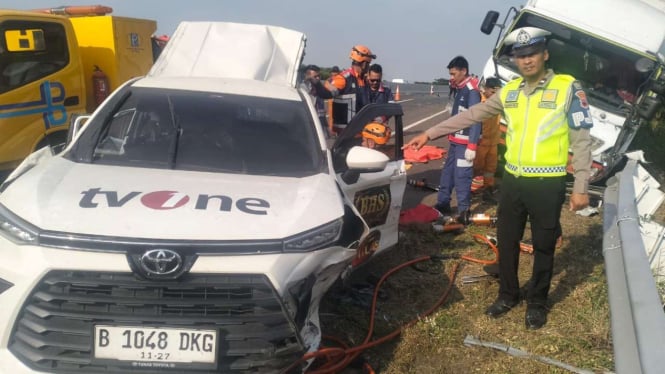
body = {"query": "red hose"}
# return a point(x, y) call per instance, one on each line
point(490, 244)
point(345, 355)
point(338, 358)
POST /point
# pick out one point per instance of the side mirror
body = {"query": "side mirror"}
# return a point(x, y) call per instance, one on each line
point(366, 160)
point(363, 160)
point(488, 23)
point(76, 125)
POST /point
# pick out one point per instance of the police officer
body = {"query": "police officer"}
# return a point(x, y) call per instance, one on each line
point(546, 114)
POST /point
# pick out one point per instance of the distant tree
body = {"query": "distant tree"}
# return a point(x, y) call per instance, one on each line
point(325, 73)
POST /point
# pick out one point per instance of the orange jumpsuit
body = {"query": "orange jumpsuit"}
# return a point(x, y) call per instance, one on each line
point(486, 155)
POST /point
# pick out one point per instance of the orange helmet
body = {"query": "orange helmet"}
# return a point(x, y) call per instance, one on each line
point(377, 132)
point(360, 53)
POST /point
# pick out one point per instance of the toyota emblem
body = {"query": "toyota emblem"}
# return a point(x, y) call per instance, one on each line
point(160, 262)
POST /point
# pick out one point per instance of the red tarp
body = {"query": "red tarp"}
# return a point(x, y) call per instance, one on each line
point(420, 214)
point(424, 154)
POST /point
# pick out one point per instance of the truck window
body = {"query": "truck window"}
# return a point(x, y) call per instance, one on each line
point(606, 70)
point(25, 40)
point(30, 51)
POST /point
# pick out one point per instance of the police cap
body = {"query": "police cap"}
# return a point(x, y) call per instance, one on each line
point(527, 40)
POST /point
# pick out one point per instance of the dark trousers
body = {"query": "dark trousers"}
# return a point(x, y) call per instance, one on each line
point(540, 200)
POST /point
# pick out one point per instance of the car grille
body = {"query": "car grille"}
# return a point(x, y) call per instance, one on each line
point(53, 331)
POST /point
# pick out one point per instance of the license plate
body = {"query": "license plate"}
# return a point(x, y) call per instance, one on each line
point(155, 344)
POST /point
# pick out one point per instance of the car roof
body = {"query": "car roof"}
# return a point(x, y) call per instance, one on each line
point(246, 87)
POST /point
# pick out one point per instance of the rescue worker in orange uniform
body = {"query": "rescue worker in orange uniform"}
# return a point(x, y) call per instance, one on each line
point(347, 89)
point(375, 134)
point(484, 166)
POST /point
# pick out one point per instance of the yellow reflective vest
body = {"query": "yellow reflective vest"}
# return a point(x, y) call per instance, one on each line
point(537, 134)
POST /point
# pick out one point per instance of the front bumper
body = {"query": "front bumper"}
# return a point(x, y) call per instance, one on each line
point(58, 296)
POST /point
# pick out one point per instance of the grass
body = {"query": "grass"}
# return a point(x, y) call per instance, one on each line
point(577, 332)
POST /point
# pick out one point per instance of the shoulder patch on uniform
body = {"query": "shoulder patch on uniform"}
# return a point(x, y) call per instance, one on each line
point(546, 105)
point(549, 95)
point(577, 85)
point(512, 96)
point(582, 96)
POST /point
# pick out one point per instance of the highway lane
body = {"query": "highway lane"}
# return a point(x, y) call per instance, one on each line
point(419, 109)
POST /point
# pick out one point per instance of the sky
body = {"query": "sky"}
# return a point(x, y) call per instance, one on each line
point(412, 39)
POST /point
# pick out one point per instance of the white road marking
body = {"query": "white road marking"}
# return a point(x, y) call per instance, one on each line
point(425, 119)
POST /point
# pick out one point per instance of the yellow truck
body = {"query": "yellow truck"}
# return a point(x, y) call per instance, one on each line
point(58, 63)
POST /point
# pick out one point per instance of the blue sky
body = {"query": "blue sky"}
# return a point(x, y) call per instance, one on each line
point(413, 39)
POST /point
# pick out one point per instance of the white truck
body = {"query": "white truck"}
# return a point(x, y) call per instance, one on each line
point(614, 47)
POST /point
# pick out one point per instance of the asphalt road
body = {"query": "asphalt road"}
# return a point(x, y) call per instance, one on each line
point(421, 112)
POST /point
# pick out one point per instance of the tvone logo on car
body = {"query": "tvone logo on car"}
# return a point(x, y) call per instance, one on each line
point(165, 200)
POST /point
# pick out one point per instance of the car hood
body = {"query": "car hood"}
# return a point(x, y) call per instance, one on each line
point(60, 195)
point(232, 50)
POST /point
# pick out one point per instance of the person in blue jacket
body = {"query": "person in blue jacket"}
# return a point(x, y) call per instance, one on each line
point(378, 93)
point(457, 170)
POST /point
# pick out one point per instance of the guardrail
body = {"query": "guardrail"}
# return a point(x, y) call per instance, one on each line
point(636, 313)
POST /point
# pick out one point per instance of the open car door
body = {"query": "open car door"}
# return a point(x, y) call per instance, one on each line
point(377, 196)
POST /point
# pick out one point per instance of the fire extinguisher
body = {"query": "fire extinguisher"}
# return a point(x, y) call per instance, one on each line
point(100, 85)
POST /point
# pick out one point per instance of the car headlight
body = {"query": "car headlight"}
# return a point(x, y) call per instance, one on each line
point(15, 229)
point(319, 237)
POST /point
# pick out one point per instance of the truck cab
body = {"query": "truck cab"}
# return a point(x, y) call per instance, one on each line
point(614, 48)
point(47, 62)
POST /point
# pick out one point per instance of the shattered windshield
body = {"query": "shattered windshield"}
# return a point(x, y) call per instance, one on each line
point(202, 131)
point(606, 70)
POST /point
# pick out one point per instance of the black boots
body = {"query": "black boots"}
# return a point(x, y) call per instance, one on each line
point(464, 217)
point(536, 316)
point(488, 195)
point(500, 307)
point(444, 209)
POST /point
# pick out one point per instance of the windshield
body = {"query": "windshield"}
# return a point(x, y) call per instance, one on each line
point(607, 71)
point(202, 131)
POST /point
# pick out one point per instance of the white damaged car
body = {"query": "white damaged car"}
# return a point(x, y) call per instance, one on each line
point(195, 221)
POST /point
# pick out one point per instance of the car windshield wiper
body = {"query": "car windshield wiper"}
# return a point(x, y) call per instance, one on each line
point(173, 147)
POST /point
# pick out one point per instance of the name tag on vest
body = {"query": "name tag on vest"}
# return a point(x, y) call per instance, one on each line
point(548, 99)
point(512, 96)
point(511, 99)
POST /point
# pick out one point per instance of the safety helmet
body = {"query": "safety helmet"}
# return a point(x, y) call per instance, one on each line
point(360, 53)
point(377, 132)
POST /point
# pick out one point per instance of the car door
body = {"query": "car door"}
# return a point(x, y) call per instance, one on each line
point(377, 196)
